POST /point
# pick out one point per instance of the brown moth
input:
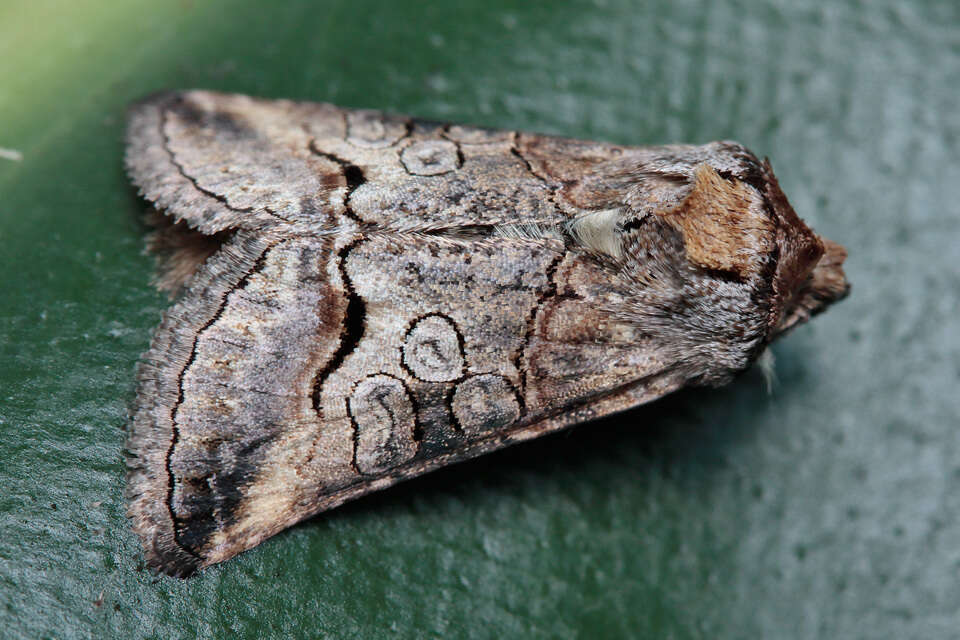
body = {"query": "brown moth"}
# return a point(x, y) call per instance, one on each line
point(363, 298)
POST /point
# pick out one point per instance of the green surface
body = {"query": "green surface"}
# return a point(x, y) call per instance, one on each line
point(830, 509)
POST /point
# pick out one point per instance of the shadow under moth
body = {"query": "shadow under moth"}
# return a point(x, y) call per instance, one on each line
point(362, 298)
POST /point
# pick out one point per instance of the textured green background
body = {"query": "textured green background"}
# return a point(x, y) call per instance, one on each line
point(830, 509)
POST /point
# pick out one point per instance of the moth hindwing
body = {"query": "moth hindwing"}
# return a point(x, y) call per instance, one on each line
point(362, 298)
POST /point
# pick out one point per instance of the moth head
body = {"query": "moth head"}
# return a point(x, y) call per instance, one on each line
point(716, 261)
point(737, 223)
point(809, 273)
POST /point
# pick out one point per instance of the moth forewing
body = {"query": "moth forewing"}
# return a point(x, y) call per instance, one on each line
point(385, 296)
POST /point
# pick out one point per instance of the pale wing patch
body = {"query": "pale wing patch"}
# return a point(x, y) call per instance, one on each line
point(593, 232)
point(597, 232)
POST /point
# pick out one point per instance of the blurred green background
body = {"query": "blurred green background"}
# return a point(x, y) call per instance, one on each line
point(829, 509)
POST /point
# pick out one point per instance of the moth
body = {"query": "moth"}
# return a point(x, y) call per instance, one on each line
point(362, 298)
